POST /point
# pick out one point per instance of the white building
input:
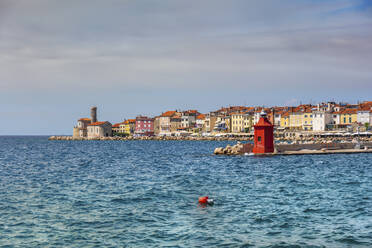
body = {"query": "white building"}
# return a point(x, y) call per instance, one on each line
point(321, 119)
point(80, 130)
point(200, 120)
point(364, 116)
point(99, 129)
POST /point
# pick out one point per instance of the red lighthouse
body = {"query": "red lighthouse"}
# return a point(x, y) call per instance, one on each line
point(263, 135)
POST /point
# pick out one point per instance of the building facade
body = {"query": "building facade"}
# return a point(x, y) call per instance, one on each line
point(144, 126)
point(99, 129)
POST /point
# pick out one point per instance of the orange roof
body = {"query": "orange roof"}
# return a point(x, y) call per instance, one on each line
point(168, 114)
point(366, 104)
point(116, 125)
point(98, 123)
point(349, 111)
point(364, 108)
point(201, 117)
point(192, 111)
point(84, 119)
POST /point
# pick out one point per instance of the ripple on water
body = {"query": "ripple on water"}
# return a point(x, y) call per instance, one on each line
point(144, 194)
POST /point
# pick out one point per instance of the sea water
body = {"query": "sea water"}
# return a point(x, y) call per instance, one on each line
point(145, 194)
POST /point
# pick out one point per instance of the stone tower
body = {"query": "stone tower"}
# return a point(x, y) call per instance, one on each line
point(93, 114)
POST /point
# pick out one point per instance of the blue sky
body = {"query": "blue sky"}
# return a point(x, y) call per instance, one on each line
point(58, 58)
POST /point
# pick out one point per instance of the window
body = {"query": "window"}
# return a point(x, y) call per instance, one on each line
point(344, 119)
point(259, 139)
point(349, 119)
point(311, 115)
point(305, 116)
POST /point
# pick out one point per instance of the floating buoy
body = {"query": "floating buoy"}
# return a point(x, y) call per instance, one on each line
point(204, 200)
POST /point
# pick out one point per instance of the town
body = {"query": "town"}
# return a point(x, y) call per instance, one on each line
point(323, 119)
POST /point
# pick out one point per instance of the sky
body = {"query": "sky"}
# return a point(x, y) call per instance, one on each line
point(131, 57)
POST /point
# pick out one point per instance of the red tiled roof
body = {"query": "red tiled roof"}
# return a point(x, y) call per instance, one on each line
point(365, 108)
point(349, 111)
point(98, 123)
point(168, 114)
point(84, 119)
point(201, 117)
point(192, 111)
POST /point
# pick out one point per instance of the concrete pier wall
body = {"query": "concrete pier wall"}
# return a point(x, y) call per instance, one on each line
point(328, 146)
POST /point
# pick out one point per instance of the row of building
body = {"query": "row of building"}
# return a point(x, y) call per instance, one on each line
point(236, 119)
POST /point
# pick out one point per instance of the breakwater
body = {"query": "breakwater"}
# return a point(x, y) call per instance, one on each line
point(299, 149)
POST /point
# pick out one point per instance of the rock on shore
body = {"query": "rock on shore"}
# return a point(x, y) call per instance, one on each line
point(229, 150)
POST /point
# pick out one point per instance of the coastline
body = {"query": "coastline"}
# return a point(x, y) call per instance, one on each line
point(288, 140)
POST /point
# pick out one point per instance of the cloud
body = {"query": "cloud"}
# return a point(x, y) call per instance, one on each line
point(170, 51)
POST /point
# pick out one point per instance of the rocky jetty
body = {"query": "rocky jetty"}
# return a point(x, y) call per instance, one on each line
point(230, 150)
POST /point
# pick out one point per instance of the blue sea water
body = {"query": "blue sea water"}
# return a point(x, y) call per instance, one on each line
point(145, 193)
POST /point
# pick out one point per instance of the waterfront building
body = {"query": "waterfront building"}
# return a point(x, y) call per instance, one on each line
point(336, 118)
point(221, 124)
point(188, 118)
point(237, 122)
point(116, 128)
point(242, 122)
point(200, 120)
point(175, 123)
point(364, 115)
point(144, 126)
point(99, 129)
point(80, 131)
point(128, 127)
point(165, 122)
point(285, 120)
point(210, 121)
point(348, 116)
point(277, 118)
point(156, 126)
point(296, 119)
point(321, 119)
point(307, 119)
point(207, 121)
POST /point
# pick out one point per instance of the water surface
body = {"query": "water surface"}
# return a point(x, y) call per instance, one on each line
point(144, 194)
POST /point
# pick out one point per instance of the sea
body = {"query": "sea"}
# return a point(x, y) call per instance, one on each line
point(145, 194)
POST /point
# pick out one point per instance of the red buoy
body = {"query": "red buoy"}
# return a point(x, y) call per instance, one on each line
point(203, 199)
